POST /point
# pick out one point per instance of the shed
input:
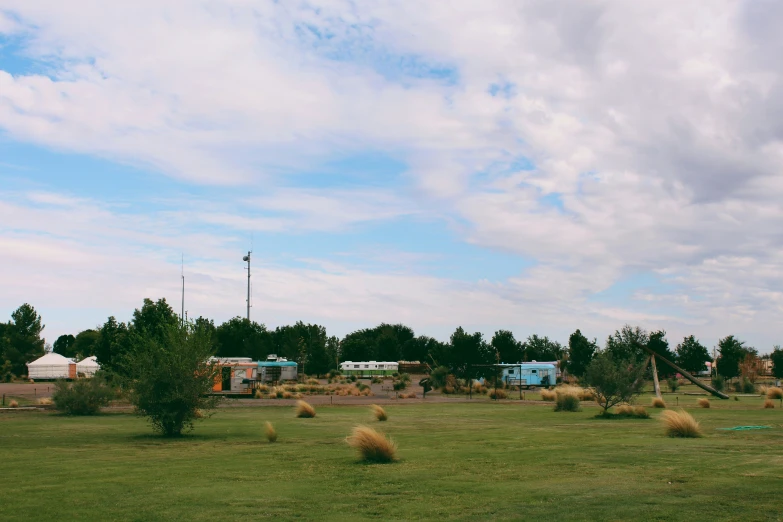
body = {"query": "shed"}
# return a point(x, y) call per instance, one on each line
point(51, 366)
point(87, 367)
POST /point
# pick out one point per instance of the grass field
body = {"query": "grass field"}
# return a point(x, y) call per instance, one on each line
point(479, 461)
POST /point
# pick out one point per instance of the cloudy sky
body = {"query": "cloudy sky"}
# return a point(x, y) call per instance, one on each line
point(532, 165)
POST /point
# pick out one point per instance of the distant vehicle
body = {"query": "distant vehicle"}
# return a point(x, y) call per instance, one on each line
point(369, 368)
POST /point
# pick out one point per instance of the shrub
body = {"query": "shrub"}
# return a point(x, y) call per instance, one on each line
point(439, 377)
point(258, 394)
point(736, 398)
point(45, 401)
point(377, 380)
point(448, 389)
point(614, 381)
point(288, 395)
point(567, 402)
point(587, 395)
point(379, 412)
point(351, 378)
point(718, 382)
point(400, 385)
point(673, 383)
point(362, 386)
point(312, 381)
point(81, 397)
point(769, 404)
point(680, 424)
point(657, 402)
point(411, 395)
point(497, 394)
point(372, 445)
point(304, 410)
point(270, 432)
point(703, 403)
point(548, 395)
point(333, 374)
point(13, 404)
point(637, 412)
point(774, 393)
point(748, 386)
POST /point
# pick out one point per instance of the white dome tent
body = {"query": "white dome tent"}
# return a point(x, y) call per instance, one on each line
point(87, 367)
point(52, 366)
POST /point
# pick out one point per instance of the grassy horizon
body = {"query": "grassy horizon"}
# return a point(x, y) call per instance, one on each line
point(479, 461)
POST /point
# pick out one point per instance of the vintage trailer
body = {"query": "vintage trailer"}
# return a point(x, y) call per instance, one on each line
point(369, 368)
point(234, 374)
point(528, 374)
point(276, 369)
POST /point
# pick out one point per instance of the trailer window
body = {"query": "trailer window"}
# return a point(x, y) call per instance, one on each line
point(534, 371)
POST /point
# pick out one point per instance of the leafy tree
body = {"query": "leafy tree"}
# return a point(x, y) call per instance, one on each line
point(580, 353)
point(385, 342)
point(153, 319)
point(169, 380)
point(542, 349)
point(468, 354)
point(63, 345)
point(628, 343)
point(22, 339)
point(777, 362)
point(509, 349)
point(113, 344)
point(85, 344)
point(239, 337)
point(732, 353)
point(658, 343)
point(692, 355)
point(333, 351)
point(614, 381)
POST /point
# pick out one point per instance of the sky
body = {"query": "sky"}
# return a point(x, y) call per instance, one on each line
point(538, 166)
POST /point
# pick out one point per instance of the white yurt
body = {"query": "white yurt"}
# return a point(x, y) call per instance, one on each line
point(52, 366)
point(87, 367)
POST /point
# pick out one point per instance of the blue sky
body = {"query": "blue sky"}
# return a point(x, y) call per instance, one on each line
point(386, 165)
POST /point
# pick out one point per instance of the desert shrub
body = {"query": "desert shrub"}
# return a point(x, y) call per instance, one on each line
point(774, 393)
point(548, 395)
point(640, 413)
point(448, 389)
point(373, 446)
point(351, 378)
point(567, 402)
point(304, 410)
point(497, 394)
point(258, 394)
point(362, 386)
point(718, 382)
point(736, 398)
point(680, 424)
point(379, 412)
point(411, 395)
point(270, 432)
point(333, 374)
point(657, 402)
point(769, 404)
point(748, 386)
point(288, 395)
point(400, 385)
point(81, 397)
point(377, 380)
point(587, 395)
point(312, 381)
point(614, 381)
point(439, 377)
point(45, 401)
point(13, 404)
point(673, 384)
point(636, 412)
point(703, 403)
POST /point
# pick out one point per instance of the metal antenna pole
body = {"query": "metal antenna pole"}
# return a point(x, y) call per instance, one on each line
point(182, 314)
point(247, 258)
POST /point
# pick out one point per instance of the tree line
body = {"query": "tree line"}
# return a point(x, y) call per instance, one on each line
point(317, 353)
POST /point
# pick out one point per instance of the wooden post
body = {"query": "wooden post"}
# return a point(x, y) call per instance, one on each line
point(688, 376)
point(655, 378)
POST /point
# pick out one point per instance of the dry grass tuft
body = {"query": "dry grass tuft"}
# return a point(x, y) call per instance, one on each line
point(270, 432)
point(640, 413)
point(45, 401)
point(373, 446)
point(774, 393)
point(304, 410)
point(258, 394)
point(497, 394)
point(768, 404)
point(658, 403)
point(624, 409)
point(680, 424)
point(703, 403)
point(13, 404)
point(548, 395)
point(379, 413)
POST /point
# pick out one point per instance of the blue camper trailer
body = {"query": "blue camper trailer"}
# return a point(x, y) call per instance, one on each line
point(529, 374)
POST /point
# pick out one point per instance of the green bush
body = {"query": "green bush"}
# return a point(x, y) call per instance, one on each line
point(400, 385)
point(748, 386)
point(673, 384)
point(566, 402)
point(82, 397)
point(718, 382)
point(439, 377)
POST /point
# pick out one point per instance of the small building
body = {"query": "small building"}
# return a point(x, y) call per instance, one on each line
point(51, 366)
point(234, 374)
point(369, 368)
point(276, 369)
point(87, 367)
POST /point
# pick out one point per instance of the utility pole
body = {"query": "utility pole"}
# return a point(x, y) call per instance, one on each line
point(247, 258)
point(182, 314)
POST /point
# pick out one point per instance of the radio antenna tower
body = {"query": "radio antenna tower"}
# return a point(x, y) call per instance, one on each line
point(247, 258)
point(182, 268)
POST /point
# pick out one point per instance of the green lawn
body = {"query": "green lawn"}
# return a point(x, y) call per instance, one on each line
point(479, 461)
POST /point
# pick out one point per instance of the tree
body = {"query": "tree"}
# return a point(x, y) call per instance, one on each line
point(153, 319)
point(542, 349)
point(468, 355)
point(614, 381)
point(628, 343)
point(112, 345)
point(169, 381)
point(509, 349)
point(692, 355)
point(23, 342)
point(85, 344)
point(777, 362)
point(239, 337)
point(658, 343)
point(580, 353)
point(63, 345)
point(732, 353)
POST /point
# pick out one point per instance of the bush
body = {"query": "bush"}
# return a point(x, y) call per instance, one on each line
point(673, 384)
point(497, 394)
point(718, 383)
point(680, 424)
point(377, 380)
point(45, 401)
point(548, 395)
point(774, 393)
point(351, 378)
point(658, 403)
point(567, 402)
point(372, 445)
point(304, 410)
point(81, 397)
point(748, 386)
point(703, 403)
point(400, 385)
point(769, 404)
point(379, 412)
point(614, 381)
point(270, 432)
point(636, 412)
point(439, 377)
point(13, 404)
point(333, 374)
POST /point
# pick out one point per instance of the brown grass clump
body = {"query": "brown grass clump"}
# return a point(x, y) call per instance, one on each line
point(587, 395)
point(498, 394)
point(288, 395)
point(258, 394)
point(304, 410)
point(624, 409)
point(548, 395)
point(768, 404)
point(640, 413)
point(13, 404)
point(270, 432)
point(774, 393)
point(657, 402)
point(379, 412)
point(313, 381)
point(373, 446)
point(703, 403)
point(411, 395)
point(45, 401)
point(680, 424)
